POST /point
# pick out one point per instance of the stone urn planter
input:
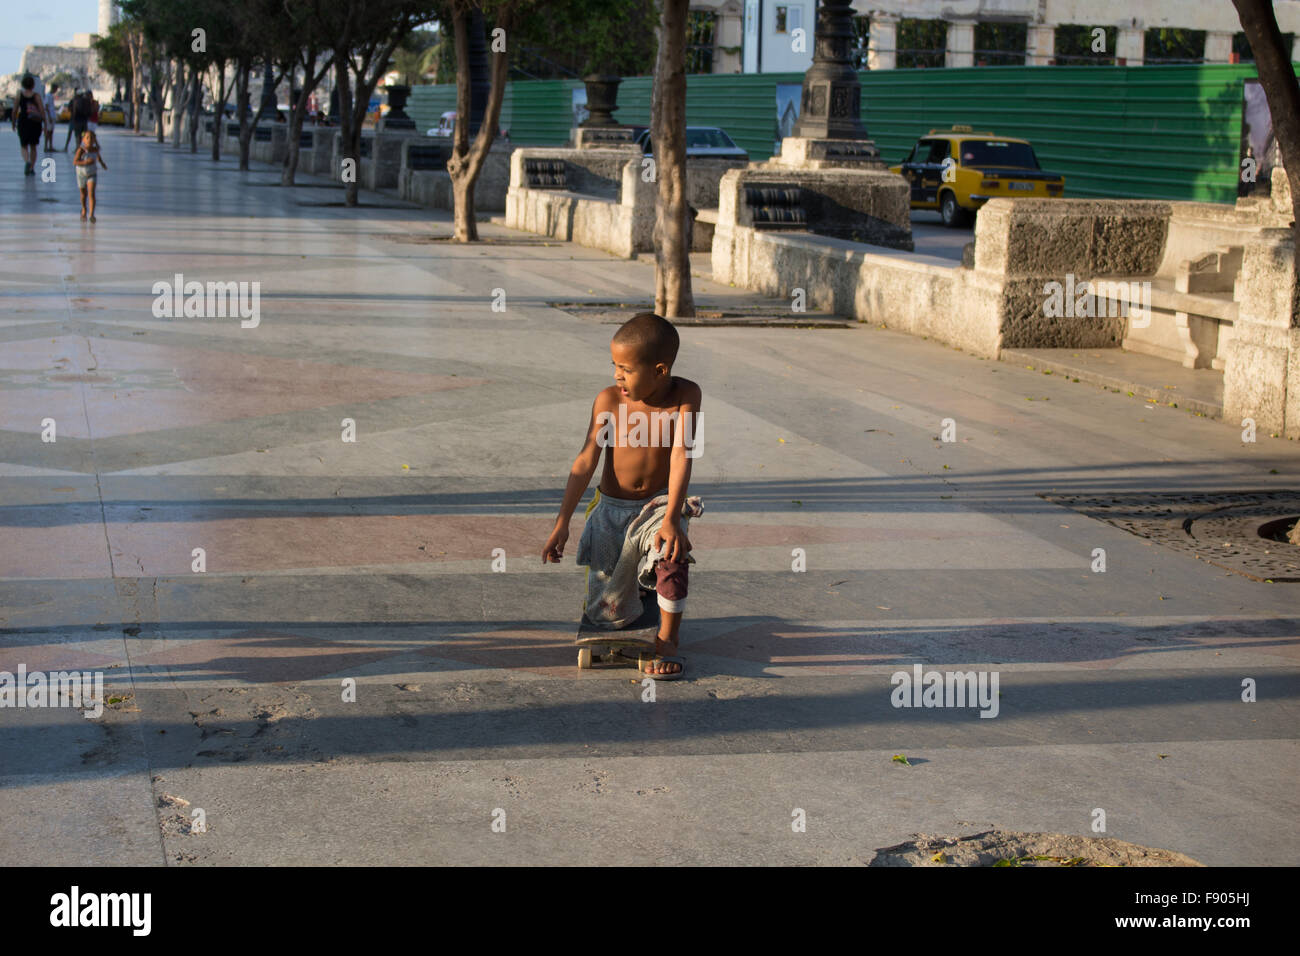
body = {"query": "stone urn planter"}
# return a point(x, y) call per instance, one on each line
point(602, 99)
point(396, 117)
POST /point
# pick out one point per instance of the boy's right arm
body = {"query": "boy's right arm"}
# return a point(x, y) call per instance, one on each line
point(584, 466)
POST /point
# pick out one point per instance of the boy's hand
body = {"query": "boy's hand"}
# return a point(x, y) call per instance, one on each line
point(675, 543)
point(553, 550)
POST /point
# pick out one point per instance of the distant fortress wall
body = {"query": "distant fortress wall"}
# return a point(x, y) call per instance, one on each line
point(81, 62)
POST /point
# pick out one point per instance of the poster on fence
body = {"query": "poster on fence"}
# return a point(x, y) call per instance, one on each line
point(1258, 152)
point(787, 112)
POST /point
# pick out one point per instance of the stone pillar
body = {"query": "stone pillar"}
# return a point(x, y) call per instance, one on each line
point(480, 74)
point(882, 54)
point(960, 50)
point(1261, 379)
point(268, 92)
point(831, 103)
point(1218, 47)
point(728, 31)
point(1040, 45)
point(1131, 45)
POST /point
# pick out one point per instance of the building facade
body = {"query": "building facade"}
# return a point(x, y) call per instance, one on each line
point(775, 36)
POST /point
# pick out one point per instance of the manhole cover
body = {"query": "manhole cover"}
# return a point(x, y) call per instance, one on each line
point(1010, 848)
point(1234, 530)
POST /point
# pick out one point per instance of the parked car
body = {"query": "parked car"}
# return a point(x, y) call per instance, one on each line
point(447, 127)
point(112, 115)
point(958, 170)
point(700, 141)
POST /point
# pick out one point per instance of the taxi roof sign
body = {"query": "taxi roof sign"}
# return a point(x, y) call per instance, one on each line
point(960, 129)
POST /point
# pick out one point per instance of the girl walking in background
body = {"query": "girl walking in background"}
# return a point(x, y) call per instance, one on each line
point(85, 158)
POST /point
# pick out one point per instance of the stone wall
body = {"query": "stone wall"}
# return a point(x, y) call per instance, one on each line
point(1022, 245)
point(432, 187)
point(1026, 243)
point(613, 211)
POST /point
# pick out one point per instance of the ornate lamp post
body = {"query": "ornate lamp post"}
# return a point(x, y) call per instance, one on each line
point(832, 97)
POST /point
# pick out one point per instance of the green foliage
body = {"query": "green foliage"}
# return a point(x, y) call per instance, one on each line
point(580, 37)
point(420, 53)
point(114, 57)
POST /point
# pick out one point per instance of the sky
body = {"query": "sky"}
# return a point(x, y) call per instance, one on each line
point(47, 22)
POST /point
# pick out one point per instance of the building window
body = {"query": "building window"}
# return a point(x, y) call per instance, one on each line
point(1162, 45)
point(782, 19)
point(699, 41)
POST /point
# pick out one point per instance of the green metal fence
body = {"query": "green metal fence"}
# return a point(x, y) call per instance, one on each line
point(1149, 132)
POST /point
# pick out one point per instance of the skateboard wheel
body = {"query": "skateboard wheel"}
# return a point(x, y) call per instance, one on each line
point(584, 658)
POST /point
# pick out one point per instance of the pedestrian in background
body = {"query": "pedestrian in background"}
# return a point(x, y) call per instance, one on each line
point(28, 118)
point(50, 117)
point(79, 115)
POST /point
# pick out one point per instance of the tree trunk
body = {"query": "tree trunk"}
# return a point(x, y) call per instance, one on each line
point(160, 88)
point(355, 103)
point(349, 126)
point(673, 298)
point(155, 95)
point(180, 103)
point(1277, 77)
point(219, 113)
point(196, 105)
point(466, 162)
point(137, 78)
point(246, 123)
point(311, 78)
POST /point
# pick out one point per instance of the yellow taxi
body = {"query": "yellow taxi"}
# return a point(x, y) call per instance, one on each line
point(112, 115)
point(958, 170)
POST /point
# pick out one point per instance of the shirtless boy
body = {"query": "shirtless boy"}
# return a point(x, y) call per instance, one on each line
point(647, 422)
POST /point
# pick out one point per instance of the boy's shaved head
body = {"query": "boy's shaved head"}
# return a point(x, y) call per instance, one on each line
point(651, 337)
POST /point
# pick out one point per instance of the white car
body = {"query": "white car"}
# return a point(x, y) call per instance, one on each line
point(700, 141)
point(447, 126)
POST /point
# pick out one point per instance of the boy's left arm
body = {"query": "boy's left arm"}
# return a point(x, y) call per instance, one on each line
point(676, 544)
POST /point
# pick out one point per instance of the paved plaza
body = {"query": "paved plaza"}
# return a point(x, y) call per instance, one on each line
point(326, 561)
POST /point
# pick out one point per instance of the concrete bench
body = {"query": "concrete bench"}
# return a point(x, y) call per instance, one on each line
point(1190, 297)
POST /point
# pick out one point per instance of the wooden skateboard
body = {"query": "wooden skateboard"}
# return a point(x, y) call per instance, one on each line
point(601, 646)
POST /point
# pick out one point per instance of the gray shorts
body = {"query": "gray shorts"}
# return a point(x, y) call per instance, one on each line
point(85, 174)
